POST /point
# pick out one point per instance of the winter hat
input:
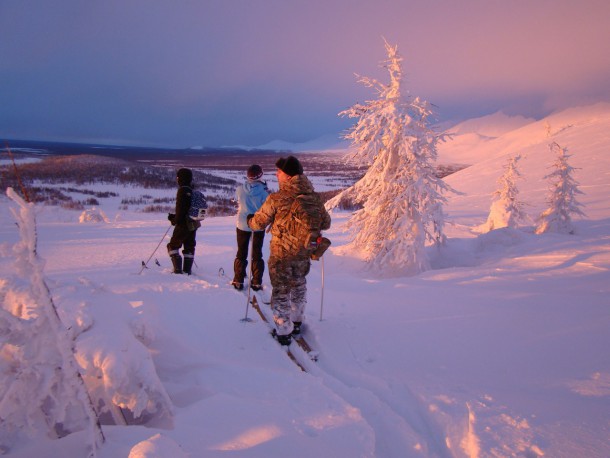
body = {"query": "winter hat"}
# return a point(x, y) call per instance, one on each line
point(254, 173)
point(185, 177)
point(290, 166)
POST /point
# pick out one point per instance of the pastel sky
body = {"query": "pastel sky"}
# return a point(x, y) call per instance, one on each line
point(246, 72)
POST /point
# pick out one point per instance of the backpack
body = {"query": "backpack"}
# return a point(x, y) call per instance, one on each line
point(302, 229)
point(198, 205)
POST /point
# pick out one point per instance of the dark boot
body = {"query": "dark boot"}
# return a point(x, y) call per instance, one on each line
point(188, 263)
point(283, 340)
point(239, 268)
point(258, 269)
point(296, 328)
point(177, 262)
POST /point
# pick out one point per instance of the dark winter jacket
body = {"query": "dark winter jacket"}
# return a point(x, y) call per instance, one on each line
point(276, 210)
point(183, 202)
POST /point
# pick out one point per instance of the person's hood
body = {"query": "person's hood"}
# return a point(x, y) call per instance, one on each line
point(255, 187)
point(298, 184)
point(185, 177)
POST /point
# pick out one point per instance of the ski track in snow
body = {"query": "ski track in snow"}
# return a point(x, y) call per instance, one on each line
point(397, 417)
point(393, 412)
point(393, 430)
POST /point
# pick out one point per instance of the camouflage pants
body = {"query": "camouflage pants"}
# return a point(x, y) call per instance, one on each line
point(289, 295)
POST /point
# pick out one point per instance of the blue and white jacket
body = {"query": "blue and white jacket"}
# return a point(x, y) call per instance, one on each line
point(250, 196)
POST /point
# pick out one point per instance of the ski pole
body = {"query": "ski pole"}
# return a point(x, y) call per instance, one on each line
point(250, 243)
point(144, 264)
point(322, 296)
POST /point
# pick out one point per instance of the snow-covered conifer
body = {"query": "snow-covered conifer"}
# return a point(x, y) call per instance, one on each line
point(44, 390)
point(41, 389)
point(400, 194)
point(561, 197)
point(506, 210)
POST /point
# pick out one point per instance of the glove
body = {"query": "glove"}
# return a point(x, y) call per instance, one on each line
point(171, 217)
point(248, 218)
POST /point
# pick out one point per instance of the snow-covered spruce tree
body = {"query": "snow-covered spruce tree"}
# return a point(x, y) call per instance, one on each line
point(561, 197)
point(41, 389)
point(506, 210)
point(400, 194)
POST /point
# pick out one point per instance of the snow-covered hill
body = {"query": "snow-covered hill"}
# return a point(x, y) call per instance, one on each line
point(493, 125)
point(501, 135)
point(499, 351)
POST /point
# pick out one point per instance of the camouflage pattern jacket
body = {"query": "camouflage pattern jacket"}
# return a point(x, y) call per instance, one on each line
point(276, 210)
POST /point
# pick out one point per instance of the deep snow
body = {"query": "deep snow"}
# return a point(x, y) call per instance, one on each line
point(501, 350)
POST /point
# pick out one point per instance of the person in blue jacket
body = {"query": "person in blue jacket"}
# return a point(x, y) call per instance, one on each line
point(250, 196)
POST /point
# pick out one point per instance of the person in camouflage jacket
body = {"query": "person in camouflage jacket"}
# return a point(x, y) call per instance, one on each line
point(289, 262)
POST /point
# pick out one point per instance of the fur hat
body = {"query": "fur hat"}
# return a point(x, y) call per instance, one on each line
point(289, 165)
point(185, 177)
point(255, 172)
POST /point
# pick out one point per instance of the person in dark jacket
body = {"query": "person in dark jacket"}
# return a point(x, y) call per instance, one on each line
point(185, 229)
point(250, 196)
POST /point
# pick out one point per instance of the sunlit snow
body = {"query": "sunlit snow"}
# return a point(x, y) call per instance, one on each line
point(500, 350)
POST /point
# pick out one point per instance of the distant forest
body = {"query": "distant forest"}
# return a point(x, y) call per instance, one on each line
point(63, 166)
point(66, 173)
point(77, 171)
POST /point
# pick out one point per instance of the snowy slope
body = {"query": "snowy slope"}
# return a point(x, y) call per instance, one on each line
point(469, 137)
point(499, 351)
point(479, 139)
point(583, 131)
point(493, 125)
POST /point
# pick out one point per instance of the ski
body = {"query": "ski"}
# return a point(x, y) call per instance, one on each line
point(259, 297)
point(301, 342)
point(299, 339)
point(287, 349)
point(262, 296)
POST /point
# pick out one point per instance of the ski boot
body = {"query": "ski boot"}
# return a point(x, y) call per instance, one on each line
point(177, 263)
point(188, 263)
point(296, 328)
point(283, 340)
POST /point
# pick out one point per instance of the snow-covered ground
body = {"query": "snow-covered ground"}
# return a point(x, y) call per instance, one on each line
point(500, 351)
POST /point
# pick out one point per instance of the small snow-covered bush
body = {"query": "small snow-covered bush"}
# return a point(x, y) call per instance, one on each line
point(93, 215)
point(506, 210)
